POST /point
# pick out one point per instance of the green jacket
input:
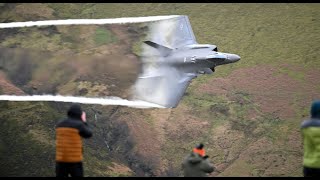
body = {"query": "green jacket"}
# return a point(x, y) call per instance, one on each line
point(311, 143)
point(196, 166)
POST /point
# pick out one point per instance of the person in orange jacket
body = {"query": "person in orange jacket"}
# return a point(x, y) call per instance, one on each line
point(69, 150)
point(196, 164)
point(200, 150)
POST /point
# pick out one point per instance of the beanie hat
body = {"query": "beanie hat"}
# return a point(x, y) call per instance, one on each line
point(75, 111)
point(315, 109)
point(200, 146)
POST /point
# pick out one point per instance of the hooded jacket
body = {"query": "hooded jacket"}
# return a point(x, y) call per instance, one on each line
point(68, 136)
point(310, 130)
point(196, 166)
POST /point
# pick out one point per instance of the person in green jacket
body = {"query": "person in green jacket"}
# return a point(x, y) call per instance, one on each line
point(310, 130)
point(196, 164)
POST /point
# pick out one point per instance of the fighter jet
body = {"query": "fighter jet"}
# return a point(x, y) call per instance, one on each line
point(171, 59)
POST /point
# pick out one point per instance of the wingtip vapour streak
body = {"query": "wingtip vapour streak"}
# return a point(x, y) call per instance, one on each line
point(82, 100)
point(123, 20)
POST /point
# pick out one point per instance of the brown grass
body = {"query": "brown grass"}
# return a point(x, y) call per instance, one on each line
point(275, 93)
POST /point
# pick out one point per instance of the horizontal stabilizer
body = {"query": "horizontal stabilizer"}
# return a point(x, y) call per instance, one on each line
point(162, 49)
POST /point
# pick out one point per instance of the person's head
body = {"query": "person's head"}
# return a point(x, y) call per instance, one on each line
point(200, 146)
point(75, 111)
point(199, 150)
point(315, 109)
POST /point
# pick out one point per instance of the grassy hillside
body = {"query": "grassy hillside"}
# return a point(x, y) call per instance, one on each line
point(247, 114)
point(27, 145)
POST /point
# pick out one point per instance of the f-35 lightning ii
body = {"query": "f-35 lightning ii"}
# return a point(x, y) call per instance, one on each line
point(171, 59)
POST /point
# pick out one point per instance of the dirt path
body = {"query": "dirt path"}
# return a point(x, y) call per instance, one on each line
point(7, 87)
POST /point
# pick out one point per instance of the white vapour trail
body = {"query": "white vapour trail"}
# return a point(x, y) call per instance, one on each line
point(86, 21)
point(83, 100)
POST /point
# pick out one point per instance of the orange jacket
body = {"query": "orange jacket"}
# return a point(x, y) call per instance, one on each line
point(69, 135)
point(68, 145)
point(201, 152)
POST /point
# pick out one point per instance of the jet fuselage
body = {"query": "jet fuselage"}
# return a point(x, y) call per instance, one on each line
point(198, 58)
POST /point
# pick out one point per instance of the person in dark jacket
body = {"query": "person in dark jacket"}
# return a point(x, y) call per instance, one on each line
point(196, 164)
point(310, 130)
point(69, 134)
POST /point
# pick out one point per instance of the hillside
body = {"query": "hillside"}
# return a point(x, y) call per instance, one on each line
point(247, 114)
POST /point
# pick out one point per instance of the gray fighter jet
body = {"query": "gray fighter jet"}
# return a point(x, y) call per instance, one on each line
point(171, 59)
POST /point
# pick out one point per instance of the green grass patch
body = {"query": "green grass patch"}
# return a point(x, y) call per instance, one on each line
point(22, 153)
point(103, 36)
point(137, 46)
point(270, 125)
point(66, 10)
point(35, 40)
point(141, 31)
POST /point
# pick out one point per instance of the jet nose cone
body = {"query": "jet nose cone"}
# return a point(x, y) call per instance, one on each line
point(233, 57)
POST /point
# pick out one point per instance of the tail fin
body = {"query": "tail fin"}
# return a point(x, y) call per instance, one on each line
point(162, 49)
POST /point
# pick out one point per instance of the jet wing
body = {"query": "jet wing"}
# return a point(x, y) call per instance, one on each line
point(173, 33)
point(166, 87)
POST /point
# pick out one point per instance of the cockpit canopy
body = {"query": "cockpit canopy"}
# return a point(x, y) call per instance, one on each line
point(203, 46)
